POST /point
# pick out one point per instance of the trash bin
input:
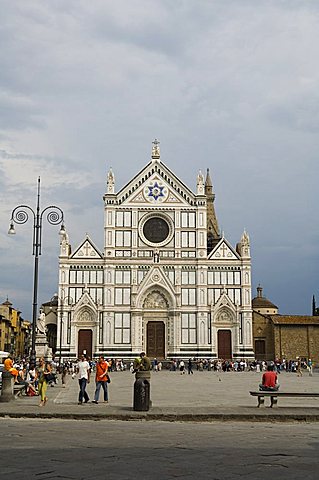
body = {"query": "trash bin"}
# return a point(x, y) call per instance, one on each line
point(142, 393)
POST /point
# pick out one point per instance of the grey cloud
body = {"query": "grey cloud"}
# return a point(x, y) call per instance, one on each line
point(225, 85)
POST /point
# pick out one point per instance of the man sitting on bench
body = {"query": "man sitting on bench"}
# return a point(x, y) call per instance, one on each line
point(269, 381)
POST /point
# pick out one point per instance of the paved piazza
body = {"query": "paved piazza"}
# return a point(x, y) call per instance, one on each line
point(171, 389)
point(68, 449)
point(55, 448)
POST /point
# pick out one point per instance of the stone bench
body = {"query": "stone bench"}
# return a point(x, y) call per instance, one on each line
point(17, 390)
point(275, 394)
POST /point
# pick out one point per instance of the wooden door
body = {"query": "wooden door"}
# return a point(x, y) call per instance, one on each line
point(260, 349)
point(156, 340)
point(224, 344)
point(85, 342)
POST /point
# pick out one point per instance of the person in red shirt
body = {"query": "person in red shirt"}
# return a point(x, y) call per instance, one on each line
point(101, 380)
point(269, 380)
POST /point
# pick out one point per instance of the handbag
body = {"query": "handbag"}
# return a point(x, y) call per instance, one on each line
point(49, 377)
point(108, 378)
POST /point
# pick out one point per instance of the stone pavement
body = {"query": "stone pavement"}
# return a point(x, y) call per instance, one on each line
point(204, 396)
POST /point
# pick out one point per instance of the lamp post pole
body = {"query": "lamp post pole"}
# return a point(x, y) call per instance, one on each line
point(20, 215)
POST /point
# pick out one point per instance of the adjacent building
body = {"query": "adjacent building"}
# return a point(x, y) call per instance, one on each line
point(283, 336)
point(166, 281)
point(14, 330)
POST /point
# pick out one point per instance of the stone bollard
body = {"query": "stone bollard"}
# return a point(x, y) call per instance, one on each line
point(7, 394)
point(142, 391)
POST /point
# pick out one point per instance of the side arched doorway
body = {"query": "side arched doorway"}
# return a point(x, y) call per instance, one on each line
point(85, 342)
point(224, 344)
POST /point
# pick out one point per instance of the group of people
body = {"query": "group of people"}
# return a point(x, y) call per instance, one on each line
point(102, 375)
point(34, 380)
point(102, 378)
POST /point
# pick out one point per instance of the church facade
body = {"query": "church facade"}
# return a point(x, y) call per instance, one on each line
point(167, 282)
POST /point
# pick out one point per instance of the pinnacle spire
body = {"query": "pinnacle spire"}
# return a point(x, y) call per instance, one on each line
point(208, 182)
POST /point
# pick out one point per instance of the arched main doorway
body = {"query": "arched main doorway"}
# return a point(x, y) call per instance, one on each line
point(155, 339)
point(224, 344)
point(85, 342)
point(155, 314)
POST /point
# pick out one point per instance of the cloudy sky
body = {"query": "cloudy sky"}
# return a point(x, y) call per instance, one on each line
point(231, 85)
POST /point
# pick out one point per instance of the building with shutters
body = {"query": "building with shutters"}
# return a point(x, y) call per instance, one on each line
point(166, 282)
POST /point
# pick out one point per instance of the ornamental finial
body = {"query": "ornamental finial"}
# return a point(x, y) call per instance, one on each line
point(155, 149)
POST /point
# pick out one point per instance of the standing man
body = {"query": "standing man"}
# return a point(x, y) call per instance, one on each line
point(101, 379)
point(145, 362)
point(190, 367)
point(83, 371)
point(299, 367)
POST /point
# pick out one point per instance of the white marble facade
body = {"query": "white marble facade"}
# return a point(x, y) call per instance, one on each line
point(167, 282)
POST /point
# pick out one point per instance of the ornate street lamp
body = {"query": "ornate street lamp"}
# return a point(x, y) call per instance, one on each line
point(20, 215)
point(65, 300)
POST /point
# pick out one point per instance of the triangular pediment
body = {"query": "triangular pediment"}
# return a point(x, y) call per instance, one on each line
point(156, 185)
point(223, 251)
point(224, 312)
point(224, 302)
point(86, 250)
point(156, 278)
point(86, 301)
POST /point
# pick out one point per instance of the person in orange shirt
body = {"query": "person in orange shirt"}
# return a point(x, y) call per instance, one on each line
point(8, 366)
point(101, 380)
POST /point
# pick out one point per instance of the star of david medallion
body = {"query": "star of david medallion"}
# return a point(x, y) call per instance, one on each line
point(155, 192)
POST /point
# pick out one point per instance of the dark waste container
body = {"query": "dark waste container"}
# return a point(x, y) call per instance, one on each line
point(142, 393)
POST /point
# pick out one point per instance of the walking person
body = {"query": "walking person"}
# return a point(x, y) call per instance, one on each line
point(83, 371)
point(190, 367)
point(43, 371)
point(310, 367)
point(101, 380)
point(182, 367)
point(299, 367)
point(64, 372)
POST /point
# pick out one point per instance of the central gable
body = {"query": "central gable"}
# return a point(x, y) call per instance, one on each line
point(156, 185)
